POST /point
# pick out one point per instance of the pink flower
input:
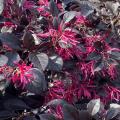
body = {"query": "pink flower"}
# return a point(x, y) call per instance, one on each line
point(43, 2)
point(64, 41)
point(20, 75)
point(41, 9)
point(87, 69)
point(113, 93)
point(56, 91)
point(80, 20)
point(28, 4)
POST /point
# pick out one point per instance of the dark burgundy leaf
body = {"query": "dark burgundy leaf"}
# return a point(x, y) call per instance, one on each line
point(69, 64)
point(37, 41)
point(55, 23)
point(3, 60)
point(84, 115)
point(6, 29)
point(2, 77)
point(47, 69)
point(86, 7)
point(68, 16)
point(10, 40)
point(99, 46)
point(28, 40)
point(99, 66)
point(114, 54)
point(13, 58)
point(111, 35)
point(39, 60)
point(5, 114)
point(94, 106)
point(93, 56)
point(64, 45)
point(111, 113)
point(112, 61)
point(37, 83)
point(70, 112)
point(55, 63)
point(24, 21)
point(53, 8)
point(114, 105)
point(72, 6)
point(34, 101)
point(15, 104)
point(56, 102)
point(102, 93)
point(47, 117)
point(1, 6)
point(29, 118)
point(112, 6)
point(3, 83)
point(20, 2)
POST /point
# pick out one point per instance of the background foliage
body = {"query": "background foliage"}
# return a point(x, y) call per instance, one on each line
point(59, 59)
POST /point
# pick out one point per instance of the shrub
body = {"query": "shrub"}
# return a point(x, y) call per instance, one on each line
point(59, 59)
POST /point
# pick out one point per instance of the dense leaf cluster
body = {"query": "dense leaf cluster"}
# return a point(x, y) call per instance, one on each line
point(59, 59)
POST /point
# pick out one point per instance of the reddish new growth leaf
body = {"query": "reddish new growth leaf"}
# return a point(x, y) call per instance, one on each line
point(18, 76)
point(64, 41)
point(113, 93)
point(41, 8)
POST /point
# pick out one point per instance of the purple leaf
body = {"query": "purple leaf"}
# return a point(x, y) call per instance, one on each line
point(3, 60)
point(93, 56)
point(68, 16)
point(5, 114)
point(55, 63)
point(99, 66)
point(13, 58)
point(1, 6)
point(56, 102)
point(37, 82)
point(94, 106)
point(10, 40)
point(47, 117)
point(111, 113)
point(39, 60)
point(53, 8)
point(15, 104)
point(70, 112)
